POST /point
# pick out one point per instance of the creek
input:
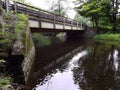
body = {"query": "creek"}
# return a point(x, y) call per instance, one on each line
point(76, 65)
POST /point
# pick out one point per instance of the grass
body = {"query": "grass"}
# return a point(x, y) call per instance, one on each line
point(112, 39)
point(109, 37)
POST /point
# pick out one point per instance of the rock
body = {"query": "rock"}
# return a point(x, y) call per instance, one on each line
point(17, 48)
point(8, 87)
point(3, 55)
point(1, 50)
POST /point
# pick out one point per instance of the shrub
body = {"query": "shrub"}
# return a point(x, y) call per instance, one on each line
point(5, 81)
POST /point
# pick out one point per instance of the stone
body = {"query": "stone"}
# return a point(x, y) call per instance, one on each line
point(1, 14)
point(3, 55)
point(17, 48)
point(8, 87)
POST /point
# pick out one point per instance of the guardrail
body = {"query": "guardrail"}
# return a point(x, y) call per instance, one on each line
point(40, 15)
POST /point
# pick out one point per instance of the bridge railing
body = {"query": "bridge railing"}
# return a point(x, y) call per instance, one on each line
point(42, 15)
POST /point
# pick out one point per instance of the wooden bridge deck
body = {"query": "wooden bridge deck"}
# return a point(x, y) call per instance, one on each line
point(40, 19)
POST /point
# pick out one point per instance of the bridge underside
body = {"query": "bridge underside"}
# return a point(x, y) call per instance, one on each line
point(55, 30)
point(70, 34)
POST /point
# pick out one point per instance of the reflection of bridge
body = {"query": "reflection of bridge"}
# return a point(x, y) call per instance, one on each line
point(40, 20)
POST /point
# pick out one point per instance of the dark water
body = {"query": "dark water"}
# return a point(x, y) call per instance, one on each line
point(76, 65)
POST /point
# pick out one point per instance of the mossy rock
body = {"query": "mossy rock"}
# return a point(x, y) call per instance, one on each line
point(8, 87)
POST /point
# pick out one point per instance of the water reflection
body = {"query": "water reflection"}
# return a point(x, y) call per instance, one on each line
point(62, 80)
point(97, 67)
point(100, 69)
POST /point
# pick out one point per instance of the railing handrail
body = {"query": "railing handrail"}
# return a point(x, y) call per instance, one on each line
point(19, 7)
point(45, 11)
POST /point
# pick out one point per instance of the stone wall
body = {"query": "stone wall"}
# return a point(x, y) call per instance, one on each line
point(29, 56)
point(24, 46)
point(1, 17)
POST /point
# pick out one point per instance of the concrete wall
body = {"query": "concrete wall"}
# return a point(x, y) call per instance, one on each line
point(68, 27)
point(50, 25)
point(57, 26)
point(47, 25)
point(33, 23)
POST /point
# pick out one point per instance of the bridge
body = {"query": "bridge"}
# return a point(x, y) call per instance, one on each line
point(44, 21)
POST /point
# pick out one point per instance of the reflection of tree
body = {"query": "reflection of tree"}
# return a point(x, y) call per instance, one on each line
point(97, 70)
point(45, 76)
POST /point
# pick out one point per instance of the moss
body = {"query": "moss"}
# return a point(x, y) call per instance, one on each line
point(41, 40)
point(22, 17)
point(5, 81)
point(20, 25)
point(26, 35)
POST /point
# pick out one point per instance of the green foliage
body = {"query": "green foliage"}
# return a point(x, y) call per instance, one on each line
point(5, 81)
point(102, 12)
point(60, 7)
point(22, 17)
point(82, 19)
point(5, 36)
point(41, 40)
point(109, 37)
point(20, 25)
point(23, 28)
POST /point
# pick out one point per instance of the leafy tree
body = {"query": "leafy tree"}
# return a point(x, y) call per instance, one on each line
point(114, 12)
point(59, 7)
point(95, 10)
point(99, 10)
point(82, 19)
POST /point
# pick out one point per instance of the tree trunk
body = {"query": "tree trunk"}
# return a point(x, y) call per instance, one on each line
point(96, 26)
point(114, 15)
point(114, 23)
point(93, 23)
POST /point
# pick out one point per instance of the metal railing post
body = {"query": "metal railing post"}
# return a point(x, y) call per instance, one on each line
point(7, 6)
point(15, 7)
point(81, 25)
point(63, 23)
point(71, 25)
point(77, 25)
point(54, 22)
point(39, 13)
